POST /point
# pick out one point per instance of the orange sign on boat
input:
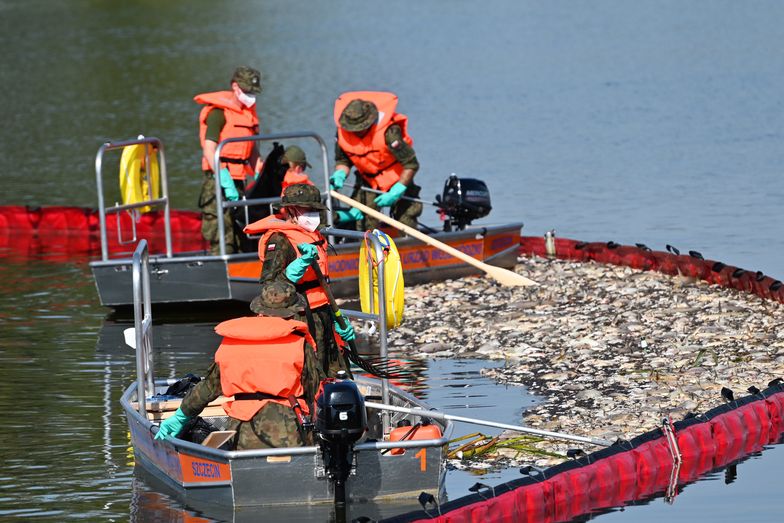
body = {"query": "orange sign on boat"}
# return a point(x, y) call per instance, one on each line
point(201, 470)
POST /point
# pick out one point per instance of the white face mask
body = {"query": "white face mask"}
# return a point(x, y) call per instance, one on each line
point(309, 220)
point(248, 100)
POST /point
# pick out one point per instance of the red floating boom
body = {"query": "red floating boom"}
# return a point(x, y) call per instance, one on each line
point(690, 265)
point(625, 472)
point(73, 232)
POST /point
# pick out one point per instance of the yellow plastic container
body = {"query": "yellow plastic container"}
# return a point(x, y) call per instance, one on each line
point(133, 176)
point(393, 279)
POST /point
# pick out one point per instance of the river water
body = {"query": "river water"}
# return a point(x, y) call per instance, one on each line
point(649, 121)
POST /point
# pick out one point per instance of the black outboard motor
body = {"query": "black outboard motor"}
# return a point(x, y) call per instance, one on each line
point(340, 421)
point(463, 200)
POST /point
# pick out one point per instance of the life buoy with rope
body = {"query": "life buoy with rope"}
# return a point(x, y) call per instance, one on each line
point(133, 175)
point(393, 279)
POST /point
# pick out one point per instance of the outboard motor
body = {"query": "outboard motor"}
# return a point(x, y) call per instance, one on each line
point(340, 420)
point(463, 200)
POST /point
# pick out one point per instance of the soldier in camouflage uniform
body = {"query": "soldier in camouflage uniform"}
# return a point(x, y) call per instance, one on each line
point(218, 121)
point(280, 251)
point(275, 425)
point(209, 219)
point(360, 118)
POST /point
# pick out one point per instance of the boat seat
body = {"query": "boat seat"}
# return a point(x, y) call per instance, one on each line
point(160, 410)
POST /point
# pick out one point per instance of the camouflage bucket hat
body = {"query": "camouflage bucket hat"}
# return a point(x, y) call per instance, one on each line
point(302, 195)
point(295, 154)
point(358, 115)
point(277, 298)
point(248, 79)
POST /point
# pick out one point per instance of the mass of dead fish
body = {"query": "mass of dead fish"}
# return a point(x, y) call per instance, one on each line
point(611, 350)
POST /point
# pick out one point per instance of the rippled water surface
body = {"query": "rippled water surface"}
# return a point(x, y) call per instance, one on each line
point(650, 121)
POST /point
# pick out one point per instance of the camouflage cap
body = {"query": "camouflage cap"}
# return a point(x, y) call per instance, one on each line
point(277, 298)
point(302, 195)
point(358, 116)
point(248, 79)
point(295, 154)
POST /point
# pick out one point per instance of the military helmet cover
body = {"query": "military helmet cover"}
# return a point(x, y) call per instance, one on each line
point(295, 154)
point(248, 78)
point(277, 298)
point(359, 115)
point(302, 195)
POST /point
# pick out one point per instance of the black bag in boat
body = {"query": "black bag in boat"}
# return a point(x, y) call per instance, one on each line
point(180, 388)
point(196, 430)
point(268, 185)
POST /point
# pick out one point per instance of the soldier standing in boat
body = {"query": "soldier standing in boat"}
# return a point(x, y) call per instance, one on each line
point(289, 244)
point(228, 114)
point(269, 365)
point(373, 138)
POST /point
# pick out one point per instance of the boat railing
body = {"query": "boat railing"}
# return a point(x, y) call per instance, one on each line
point(162, 202)
point(143, 316)
point(142, 323)
point(243, 202)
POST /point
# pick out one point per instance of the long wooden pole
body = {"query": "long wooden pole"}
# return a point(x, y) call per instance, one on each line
point(499, 274)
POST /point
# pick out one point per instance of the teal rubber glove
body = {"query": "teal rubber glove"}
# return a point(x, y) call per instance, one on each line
point(229, 189)
point(337, 179)
point(296, 269)
point(352, 215)
point(308, 251)
point(391, 196)
point(346, 334)
point(170, 427)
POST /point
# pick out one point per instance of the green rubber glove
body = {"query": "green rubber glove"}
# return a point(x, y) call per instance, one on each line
point(391, 196)
point(170, 427)
point(296, 269)
point(337, 179)
point(348, 333)
point(229, 189)
point(352, 215)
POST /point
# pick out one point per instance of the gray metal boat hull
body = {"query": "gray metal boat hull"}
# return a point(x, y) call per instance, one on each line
point(202, 475)
point(204, 278)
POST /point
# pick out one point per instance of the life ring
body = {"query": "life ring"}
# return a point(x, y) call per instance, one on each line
point(393, 279)
point(133, 178)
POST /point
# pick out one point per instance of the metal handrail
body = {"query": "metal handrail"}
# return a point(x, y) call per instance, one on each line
point(381, 317)
point(200, 450)
point(220, 204)
point(143, 310)
point(143, 314)
point(142, 323)
point(163, 201)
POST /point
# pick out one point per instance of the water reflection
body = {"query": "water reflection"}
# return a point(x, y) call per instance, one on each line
point(750, 497)
point(153, 500)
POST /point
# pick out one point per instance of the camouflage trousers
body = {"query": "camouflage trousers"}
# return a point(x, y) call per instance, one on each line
point(404, 211)
point(273, 426)
point(329, 355)
point(209, 220)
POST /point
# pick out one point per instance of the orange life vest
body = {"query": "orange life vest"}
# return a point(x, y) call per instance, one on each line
point(291, 178)
point(261, 354)
point(309, 284)
point(369, 153)
point(241, 121)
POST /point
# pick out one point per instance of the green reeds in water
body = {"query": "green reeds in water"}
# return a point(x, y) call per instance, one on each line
point(478, 446)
